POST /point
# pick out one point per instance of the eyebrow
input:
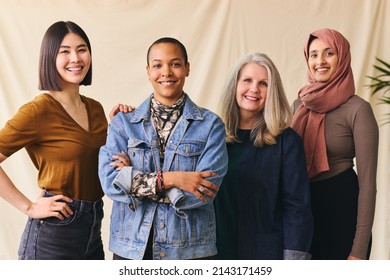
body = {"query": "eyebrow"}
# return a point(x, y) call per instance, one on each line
point(173, 59)
point(68, 47)
point(326, 49)
point(251, 77)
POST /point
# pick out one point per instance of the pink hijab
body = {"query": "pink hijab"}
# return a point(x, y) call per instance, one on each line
point(318, 98)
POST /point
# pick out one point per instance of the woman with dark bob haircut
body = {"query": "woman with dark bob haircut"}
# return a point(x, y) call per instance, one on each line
point(62, 132)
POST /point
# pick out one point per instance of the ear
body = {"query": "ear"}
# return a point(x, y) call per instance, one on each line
point(188, 69)
point(147, 69)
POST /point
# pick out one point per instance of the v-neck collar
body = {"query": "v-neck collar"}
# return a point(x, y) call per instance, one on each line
point(70, 117)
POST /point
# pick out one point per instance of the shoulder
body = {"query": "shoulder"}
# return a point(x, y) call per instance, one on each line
point(41, 99)
point(92, 102)
point(292, 145)
point(212, 120)
point(356, 105)
point(208, 113)
point(41, 103)
point(32, 112)
point(295, 105)
point(123, 121)
point(356, 102)
point(289, 138)
point(196, 112)
point(290, 134)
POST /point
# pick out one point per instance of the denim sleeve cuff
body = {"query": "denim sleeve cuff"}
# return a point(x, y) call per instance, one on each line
point(124, 178)
point(295, 255)
point(175, 195)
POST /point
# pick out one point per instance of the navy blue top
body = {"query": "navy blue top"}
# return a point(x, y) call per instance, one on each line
point(263, 206)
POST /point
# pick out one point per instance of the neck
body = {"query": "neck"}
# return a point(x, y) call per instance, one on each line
point(67, 98)
point(246, 121)
point(167, 101)
point(245, 126)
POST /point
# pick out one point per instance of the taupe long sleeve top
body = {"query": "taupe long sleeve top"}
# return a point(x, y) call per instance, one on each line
point(351, 132)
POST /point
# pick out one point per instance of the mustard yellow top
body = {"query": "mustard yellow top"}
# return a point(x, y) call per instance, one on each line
point(65, 154)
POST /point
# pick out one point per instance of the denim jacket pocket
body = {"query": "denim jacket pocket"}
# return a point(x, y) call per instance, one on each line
point(140, 153)
point(187, 155)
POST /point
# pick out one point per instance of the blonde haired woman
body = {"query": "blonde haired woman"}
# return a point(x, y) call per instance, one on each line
point(263, 205)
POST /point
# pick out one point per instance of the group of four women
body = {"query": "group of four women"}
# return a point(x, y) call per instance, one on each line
point(263, 182)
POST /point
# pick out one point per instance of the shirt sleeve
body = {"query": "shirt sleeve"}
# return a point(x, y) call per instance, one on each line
point(19, 131)
point(366, 139)
point(295, 193)
point(145, 185)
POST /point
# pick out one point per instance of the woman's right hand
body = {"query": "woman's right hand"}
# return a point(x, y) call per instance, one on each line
point(121, 161)
point(193, 182)
point(44, 207)
point(120, 108)
point(53, 206)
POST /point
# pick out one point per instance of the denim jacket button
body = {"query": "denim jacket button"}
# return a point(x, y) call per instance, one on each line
point(161, 225)
point(162, 254)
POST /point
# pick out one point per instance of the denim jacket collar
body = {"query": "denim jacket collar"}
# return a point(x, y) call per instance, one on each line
point(191, 111)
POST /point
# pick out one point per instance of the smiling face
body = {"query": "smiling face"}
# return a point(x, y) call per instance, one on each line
point(73, 60)
point(251, 94)
point(167, 72)
point(322, 61)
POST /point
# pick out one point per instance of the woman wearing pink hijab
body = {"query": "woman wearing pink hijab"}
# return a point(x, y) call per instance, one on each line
point(337, 128)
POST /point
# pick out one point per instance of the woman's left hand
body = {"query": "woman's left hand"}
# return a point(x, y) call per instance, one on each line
point(121, 161)
point(193, 182)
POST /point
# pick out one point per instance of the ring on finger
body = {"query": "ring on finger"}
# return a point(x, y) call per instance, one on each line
point(201, 189)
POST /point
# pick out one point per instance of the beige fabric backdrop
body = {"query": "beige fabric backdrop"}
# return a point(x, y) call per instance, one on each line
point(216, 33)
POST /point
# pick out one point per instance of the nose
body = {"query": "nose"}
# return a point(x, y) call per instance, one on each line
point(74, 57)
point(320, 59)
point(254, 87)
point(166, 71)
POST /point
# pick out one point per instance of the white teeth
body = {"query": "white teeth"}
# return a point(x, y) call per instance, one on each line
point(322, 69)
point(251, 98)
point(74, 69)
point(166, 83)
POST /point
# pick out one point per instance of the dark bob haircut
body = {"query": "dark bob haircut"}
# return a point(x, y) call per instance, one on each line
point(49, 78)
point(170, 41)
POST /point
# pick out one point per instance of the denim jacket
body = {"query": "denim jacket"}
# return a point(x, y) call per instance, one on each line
point(184, 229)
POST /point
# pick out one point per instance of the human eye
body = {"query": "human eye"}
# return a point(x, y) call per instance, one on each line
point(63, 51)
point(329, 53)
point(263, 83)
point(82, 50)
point(156, 66)
point(176, 64)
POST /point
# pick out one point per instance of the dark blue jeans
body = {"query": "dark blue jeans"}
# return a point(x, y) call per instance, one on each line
point(75, 238)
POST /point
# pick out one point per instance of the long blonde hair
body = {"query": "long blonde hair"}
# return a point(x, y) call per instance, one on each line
point(269, 122)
